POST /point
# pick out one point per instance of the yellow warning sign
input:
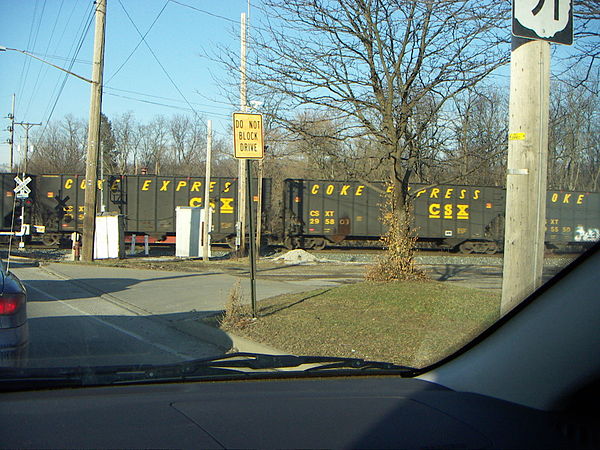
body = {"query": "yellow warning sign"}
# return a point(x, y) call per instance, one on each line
point(248, 136)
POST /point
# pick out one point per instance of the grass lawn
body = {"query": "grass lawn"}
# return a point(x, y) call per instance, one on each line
point(410, 323)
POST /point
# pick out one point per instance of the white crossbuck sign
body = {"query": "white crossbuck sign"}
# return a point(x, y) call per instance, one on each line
point(22, 190)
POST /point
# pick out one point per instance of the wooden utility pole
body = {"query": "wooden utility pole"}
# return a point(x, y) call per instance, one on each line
point(206, 201)
point(91, 167)
point(27, 126)
point(241, 207)
point(526, 170)
point(12, 133)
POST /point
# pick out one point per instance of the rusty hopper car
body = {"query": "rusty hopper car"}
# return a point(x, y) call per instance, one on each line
point(466, 218)
point(148, 203)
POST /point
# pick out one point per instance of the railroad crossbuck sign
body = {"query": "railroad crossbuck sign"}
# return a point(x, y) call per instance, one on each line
point(248, 136)
point(22, 190)
point(548, 20)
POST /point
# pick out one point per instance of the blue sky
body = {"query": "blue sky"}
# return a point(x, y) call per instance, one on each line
point(53, 29)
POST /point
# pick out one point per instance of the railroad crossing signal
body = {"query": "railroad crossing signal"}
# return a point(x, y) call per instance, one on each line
point(248, 139)
point(22, 190)
point(547, 20)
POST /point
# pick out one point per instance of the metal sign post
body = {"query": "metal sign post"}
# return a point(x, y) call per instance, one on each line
point(248, 144)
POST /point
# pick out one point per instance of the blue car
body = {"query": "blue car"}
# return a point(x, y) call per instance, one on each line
point(14, 333)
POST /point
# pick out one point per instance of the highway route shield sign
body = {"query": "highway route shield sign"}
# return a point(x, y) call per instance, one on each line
point(548, 20)
point(248, 138)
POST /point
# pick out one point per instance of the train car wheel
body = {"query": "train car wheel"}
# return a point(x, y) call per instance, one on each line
point(319, 244)
point(231, 242)
point(290, 242)
point(51, 239)
point(492, 248)
point(466, 247)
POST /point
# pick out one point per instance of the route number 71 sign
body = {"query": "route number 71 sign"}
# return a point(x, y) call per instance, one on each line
point(548, 20)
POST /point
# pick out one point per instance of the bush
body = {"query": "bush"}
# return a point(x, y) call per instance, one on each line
point(398, 261)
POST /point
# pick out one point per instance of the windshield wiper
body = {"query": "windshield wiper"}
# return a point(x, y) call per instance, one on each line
point(233, 364)
point(258, 363)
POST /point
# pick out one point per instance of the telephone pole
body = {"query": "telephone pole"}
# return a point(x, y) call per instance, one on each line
point(27, 126)
point(526, 178)
point(93, 145)
point(241, 207)
point(11, 140)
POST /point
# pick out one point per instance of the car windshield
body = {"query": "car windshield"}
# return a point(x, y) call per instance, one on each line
point(357, 185)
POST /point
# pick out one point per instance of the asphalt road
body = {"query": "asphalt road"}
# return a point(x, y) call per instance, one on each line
point(72, 326)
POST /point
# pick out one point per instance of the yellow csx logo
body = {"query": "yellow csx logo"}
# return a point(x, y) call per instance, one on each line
point(197, 201)
point(226, 206)
point(436, 210)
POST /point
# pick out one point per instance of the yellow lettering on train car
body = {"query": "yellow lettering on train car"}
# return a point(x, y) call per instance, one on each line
point(434, 211)
point(476, 194)
point(462, 212)
point(211, 186)
point(359, 190)
point(389, 189)
point(421, 192)
point(448, 211)
point(181, 184)
point(344, 190)
point(314, 213)
point(567, 198)
point(330, 189)
point(554, 197)
point(315, 189)
point(196, 186)
point(580, 199)
point(81, 209)
point(69, 183)
point(434, 193)
point(226, 207)
point(227, 186)
point(165, 185)
point(100, 184)
point(115, 185)
point(195, 201)
point(329, 213)
point(80, 217)
point(146, 185)
point(463, 193)
point(82, 184)
point(449, 193)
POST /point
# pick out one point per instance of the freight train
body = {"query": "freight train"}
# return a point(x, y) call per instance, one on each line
point(315, 213)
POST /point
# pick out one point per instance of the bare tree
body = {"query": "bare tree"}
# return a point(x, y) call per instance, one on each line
point(383, 68)
point(61, 148)
point(574, 143)
point(126, 140)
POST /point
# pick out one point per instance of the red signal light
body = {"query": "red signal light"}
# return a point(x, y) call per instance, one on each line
point(10, 303)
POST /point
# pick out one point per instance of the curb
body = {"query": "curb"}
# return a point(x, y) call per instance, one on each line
point(224, 340)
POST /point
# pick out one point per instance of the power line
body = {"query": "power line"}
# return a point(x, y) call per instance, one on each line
point(203, 11)
point(42, 67)
point(228, 108)
point(158, 61)
point(65, 78)
point(168, 106)
point(138, 44)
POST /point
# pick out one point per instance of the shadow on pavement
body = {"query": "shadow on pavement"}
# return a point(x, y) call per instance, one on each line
point(82, 340)
point(90, 287)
